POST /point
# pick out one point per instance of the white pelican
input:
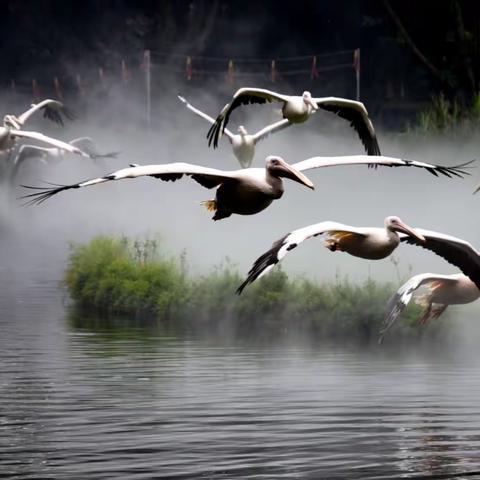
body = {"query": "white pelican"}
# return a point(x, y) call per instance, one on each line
point(454, 250)
point(12, 127)
point(372, 243)
point(442, 290)
point(297, 109)
point(247, 191)
point(243, 144)
point(26, 151)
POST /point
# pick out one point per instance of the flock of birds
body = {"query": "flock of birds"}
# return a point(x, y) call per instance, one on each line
point(250, 190)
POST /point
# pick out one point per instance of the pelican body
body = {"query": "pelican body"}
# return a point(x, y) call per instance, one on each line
point(243, 192)
point(53, 110)
point(243, 143)
point(442, 291)
point(371, 243)
point(298, 109)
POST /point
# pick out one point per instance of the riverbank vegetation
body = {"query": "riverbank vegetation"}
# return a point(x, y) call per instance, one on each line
point(114, 277)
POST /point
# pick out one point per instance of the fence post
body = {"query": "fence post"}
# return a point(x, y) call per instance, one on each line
point(148, 86)
point(58, 88)
point(356, 67)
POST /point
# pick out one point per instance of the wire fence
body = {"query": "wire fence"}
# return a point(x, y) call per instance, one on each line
point(147, 71)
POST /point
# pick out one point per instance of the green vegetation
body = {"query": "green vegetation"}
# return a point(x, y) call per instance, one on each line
point(116, 277)
point(444, 115)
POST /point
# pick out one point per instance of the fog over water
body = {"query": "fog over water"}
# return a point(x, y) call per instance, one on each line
point(359, 196)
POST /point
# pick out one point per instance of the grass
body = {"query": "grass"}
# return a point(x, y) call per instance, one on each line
point(116, 276)
point(450, 116)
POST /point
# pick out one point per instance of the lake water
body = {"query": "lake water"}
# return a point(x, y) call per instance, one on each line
point(86, 399)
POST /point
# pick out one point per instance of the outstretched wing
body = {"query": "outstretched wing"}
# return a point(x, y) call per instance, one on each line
point(49, 141)
point(86, 144)
point(454, 250)
point(286, 244)
point(273, 128)
point(399, 301)
point(52, 109)
point(207, 177)
point(357, 115)
point(203, 115)
point(375, 161)
point(243, 96)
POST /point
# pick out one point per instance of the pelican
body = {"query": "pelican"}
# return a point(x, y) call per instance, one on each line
point(247, 191)
point(454, 250)
point(442, 290)
point(244, 192)
point(85, 143)
point(371, 243)
point(298, 109)
point(12, 127)
point(243, 144)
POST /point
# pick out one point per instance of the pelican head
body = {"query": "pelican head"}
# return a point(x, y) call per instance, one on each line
point(309, 101)
point(242, 130)
point(394, 224)
point(278, 167)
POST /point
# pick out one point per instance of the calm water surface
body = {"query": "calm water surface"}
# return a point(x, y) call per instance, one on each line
point(131, 403)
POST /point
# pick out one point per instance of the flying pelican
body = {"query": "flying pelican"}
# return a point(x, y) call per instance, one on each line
point(443, 290)
point(46, 154)
point(372, 243)
point(243, 144)
point(247, 191)
point(85, 143)
point(297, 109)
point(12, 127)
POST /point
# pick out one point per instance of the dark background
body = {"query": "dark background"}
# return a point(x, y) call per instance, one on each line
point(410, 51)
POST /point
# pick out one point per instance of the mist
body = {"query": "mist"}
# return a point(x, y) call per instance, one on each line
point(39, 236)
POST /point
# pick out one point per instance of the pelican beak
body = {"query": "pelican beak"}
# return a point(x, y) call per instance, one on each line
point(403, 227)
point(287, 171)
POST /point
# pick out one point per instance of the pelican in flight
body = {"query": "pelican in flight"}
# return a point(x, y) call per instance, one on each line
point(246, 191)
point(26, 151)
point(243, 144)
point(298, 109)
point(442, 291)
point(371, 243)
point(11, 130)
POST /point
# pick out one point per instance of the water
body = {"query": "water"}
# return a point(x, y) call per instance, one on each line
point(93, 400)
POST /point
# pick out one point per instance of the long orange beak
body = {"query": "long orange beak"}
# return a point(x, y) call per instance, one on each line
point(403, 227)
point(287, 171)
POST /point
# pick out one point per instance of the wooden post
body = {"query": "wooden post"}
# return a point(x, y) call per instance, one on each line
point(148, 86)
point(356, 67)
point(125, 74)
point(273, 72)
point(35, 91)
point(58, 88)
point(78, 79)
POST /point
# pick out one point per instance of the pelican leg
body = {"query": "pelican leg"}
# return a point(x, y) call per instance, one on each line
point(436, 312)
point(423, 320)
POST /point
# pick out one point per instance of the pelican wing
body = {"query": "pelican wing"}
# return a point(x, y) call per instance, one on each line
point(49, 140)
point(207, 177)
point(30, 151)
point(399, 301)
point(357, 115)
point(273, 128)
point(203, 115)
point(52, 109)
point(243, 96)
point(284, 245)
point(454, 250)
point(86, 144)
point(375, 161)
